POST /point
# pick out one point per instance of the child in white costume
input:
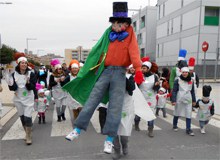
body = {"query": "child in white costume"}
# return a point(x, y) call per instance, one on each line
point(205, 108)
point(42, 104)
point(56, 82)
point(183, 98)
point(161, 98)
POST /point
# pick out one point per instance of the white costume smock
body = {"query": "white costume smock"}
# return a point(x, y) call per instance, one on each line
point(58, 94)
point(183, 106)
point(70, 101)
point(147, 90)
point(127, 116)
point(42, 104)
point(161, 100)
point(203, 113)
point(23, 98)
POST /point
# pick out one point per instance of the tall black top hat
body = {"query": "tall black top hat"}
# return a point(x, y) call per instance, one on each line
point(120, 12)
point(206, 90)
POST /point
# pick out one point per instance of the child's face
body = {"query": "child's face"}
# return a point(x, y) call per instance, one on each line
point(160, 92)
point(41, 94)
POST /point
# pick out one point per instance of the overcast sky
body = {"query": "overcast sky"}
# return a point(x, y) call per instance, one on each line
point(57, 24)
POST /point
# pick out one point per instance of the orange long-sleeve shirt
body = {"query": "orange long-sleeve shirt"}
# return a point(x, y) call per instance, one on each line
point(125, 52)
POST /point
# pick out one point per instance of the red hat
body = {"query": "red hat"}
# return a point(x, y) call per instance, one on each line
point(144, 59)
point(146, 62)
point(191, 63)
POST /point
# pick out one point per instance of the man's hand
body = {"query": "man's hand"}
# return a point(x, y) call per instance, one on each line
point(173, 103)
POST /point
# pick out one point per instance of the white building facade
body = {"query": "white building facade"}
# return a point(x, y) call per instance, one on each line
point(186, 24)
point(144, 23)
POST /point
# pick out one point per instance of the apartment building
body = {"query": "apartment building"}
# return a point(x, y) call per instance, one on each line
point(144, 23)
point(186, 24)
point(79, 53)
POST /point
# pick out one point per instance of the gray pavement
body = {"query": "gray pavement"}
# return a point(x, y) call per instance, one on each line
point(166, 144)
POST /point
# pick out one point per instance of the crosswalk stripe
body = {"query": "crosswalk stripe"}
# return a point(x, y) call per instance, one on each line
point(61, 128)
point(16, 131)
point(212, 122)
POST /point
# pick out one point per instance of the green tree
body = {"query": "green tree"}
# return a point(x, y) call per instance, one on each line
point(6, 54)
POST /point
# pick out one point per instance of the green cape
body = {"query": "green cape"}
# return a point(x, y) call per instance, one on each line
point(81, 87)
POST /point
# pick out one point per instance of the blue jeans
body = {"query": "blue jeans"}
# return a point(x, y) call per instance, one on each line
point(150, 123)
point(112, 80)
point(188, 122)
point(203, 123)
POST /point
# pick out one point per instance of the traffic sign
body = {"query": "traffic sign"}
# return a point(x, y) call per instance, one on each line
point(205, 46)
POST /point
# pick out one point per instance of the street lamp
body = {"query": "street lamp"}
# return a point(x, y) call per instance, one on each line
point(28, 39)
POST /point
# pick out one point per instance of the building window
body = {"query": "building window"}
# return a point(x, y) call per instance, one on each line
point(159, 11)
point(135, 26)
point(142, 22)
point(163, 9)
point(158, 50)
point(139, 37)
point(211, 16)
point(142, 52)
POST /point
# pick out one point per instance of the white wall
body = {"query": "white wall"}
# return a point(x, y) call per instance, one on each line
point(171, 48)
point(191, 19)
point(162, 30)
point(186, 2)
point(176, 24)
point(171, 6)
point(190, 43)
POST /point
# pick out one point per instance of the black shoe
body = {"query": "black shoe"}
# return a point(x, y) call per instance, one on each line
point(44, 120)
point(58, 118)
point(39, 120)
point(175, 128)
point(190, 132)
point(137, 127)
point(63, 116)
